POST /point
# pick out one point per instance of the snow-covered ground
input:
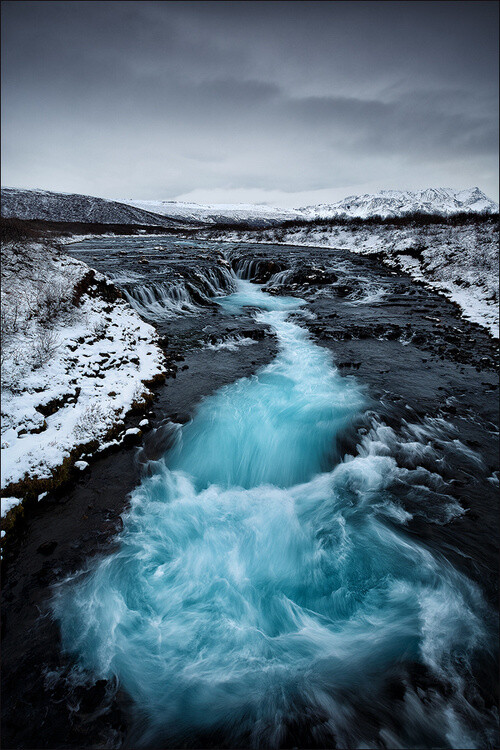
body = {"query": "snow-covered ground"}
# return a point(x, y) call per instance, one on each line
point(74, 358)
point(459, 261)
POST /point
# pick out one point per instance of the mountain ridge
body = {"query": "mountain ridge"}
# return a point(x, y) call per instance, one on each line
point(46, 205)
point(392, 203)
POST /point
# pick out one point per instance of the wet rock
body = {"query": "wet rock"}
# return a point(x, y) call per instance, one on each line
point(418, 338)
point(132, 436)
point(257, 334)
point(91, 699)
point(349, 365)
point(344, 290)
point(312, 276)
point(259, 270)
point(47, 548)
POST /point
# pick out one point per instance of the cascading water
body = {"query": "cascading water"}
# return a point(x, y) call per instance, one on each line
point(158, 300)
point(260, 598)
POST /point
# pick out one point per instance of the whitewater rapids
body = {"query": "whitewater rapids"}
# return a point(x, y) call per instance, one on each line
point(264, 592)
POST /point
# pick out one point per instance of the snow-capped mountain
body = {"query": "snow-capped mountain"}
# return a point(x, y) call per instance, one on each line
point(218, 213)
point(49, 206)
point(388, 203)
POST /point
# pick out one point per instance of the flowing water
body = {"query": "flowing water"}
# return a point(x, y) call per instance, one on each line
point(265, 593)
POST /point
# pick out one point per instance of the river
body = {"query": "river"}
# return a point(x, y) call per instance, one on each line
point(305, 563)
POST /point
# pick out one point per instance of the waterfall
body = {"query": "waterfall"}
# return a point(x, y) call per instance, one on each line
point(159, 300)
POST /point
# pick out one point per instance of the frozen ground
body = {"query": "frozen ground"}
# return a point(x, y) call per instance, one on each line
point(74, 360)
point(459, 261)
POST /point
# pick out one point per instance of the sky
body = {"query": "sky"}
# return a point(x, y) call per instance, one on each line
point(288, 103)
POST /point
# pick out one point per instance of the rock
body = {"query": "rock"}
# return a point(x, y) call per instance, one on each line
point(47, 548)
point(90, 699)
point(312, 275)
point(257, 334)
point(343, 290)
point(132, 436)
point(350, 365)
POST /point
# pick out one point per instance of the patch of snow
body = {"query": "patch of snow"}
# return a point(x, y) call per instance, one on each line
point(217, 213)
point(7, 503)
point(82, 365)
point(82, 465)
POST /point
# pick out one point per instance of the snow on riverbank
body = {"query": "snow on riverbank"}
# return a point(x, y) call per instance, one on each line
point(74, 360)
point(459, 261)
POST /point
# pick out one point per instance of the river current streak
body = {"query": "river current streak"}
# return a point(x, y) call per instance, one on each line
point(263, 593)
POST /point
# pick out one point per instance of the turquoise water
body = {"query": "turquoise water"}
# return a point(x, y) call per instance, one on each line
point(262, 590)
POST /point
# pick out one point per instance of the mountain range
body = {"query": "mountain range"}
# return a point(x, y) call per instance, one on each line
point(50, 206)
point(389, 203)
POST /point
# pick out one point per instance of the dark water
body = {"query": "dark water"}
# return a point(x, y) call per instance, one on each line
point(312, 562)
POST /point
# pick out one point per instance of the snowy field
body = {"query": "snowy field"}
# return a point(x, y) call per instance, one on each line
point(459, 261)
point(74, 361)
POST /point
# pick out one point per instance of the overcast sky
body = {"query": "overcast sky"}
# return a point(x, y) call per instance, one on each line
point(289, 103)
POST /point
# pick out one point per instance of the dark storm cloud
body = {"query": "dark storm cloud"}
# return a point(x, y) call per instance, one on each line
point(280, 101)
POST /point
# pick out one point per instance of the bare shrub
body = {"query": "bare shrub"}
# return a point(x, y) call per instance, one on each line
point(93, 421)
point(48, 301)
point(9, 326)
point(98, 329)
point(45, 347)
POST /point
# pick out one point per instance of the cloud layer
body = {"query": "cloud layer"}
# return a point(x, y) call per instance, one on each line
point(259, 101)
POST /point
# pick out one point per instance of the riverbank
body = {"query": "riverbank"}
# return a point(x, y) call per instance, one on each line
point(76, 359)
point(460, 262)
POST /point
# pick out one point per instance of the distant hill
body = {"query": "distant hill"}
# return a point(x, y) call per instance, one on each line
point(386, 203)
point(45, 205)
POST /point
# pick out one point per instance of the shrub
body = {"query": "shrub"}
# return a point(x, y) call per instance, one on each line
point(99, 329)
point(9, 326)
point(45, 346)
point(50, 301)
point(93, 421)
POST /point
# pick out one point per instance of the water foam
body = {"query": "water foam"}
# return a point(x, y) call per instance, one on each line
point(259, 597)
point(162, 299)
